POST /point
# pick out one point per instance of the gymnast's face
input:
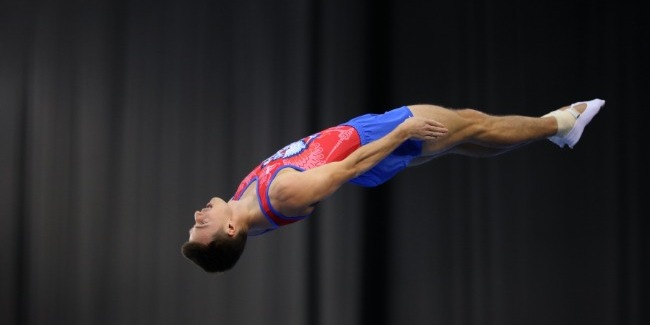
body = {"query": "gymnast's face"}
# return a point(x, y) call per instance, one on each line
point(216, 215)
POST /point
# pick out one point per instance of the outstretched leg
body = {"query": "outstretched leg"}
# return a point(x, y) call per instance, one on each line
point(475, 133)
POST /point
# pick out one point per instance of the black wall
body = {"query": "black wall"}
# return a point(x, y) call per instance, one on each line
point(119, 118)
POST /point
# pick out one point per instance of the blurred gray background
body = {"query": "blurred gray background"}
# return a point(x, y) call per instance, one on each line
point(120, 118)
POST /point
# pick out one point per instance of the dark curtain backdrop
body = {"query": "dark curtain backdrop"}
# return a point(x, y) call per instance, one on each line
point(120, 118)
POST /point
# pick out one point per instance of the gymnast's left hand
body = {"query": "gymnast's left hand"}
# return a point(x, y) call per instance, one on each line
point(424, 128)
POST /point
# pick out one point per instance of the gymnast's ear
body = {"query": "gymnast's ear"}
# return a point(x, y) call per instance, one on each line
point(231, 231)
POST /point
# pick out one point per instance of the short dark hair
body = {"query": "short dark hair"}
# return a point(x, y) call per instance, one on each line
point(219, 255)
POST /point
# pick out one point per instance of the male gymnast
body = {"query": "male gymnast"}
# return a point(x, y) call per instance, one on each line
point(367, 150)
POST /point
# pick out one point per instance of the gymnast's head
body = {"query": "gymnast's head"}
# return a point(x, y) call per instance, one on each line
point(216, 240)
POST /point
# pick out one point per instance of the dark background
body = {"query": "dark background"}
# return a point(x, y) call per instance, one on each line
point(120, 118)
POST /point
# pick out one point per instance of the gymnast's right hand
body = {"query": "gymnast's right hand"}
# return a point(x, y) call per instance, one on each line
point(423, 128)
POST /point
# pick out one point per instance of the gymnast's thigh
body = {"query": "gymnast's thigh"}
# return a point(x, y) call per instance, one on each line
point(459, 122)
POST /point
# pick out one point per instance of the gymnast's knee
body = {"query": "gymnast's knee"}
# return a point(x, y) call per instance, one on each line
point(472, 114)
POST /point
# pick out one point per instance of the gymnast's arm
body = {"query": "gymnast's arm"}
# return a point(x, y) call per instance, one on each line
point(295, 190)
